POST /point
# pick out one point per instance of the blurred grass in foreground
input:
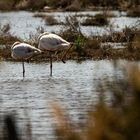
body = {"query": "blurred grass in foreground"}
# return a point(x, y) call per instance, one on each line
point(114, 120)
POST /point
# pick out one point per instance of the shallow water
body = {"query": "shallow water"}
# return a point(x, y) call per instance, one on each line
point(23, 23)
point(74, 86)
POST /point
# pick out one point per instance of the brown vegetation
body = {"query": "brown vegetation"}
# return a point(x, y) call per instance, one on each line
point(135, 41)
point(5, 5)
point(22, 4)
point(50, 20)
point(97, 20)
point(84, 47)
point(6, 40)
point(134, 12)
point(76, 5)
point(69, 5)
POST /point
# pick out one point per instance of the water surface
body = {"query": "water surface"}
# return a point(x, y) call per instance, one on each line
point(24, 23)
point(74, 86)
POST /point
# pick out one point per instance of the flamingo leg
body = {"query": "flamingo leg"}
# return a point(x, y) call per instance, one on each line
point(50, 63)
point(62, 59)
point(23, 68)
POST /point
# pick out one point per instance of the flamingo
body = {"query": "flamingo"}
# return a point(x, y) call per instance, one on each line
point(52, 43)
point(23, 51)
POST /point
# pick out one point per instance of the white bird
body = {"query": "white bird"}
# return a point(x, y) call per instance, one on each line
point(52, 42)
point(23, 51)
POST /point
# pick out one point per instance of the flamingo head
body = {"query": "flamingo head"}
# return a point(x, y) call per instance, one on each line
point(16, 43)
point(45, 33)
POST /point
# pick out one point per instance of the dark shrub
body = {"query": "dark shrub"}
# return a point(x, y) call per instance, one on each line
point(97, 20)
point(134, 12)
point(50, 20)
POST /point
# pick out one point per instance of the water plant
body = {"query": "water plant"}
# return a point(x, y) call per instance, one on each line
point(50, 20)
point(71, 28)
point(6, 40)
point(33, 37)
point(97, 20)
point(5, 35)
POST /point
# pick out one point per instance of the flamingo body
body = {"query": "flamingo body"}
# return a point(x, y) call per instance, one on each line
point(23, 51)
point(52, 42)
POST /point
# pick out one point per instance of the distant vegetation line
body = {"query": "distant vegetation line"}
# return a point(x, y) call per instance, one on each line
point(73, 5)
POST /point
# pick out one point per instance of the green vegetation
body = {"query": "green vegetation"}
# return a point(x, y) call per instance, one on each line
point(79, 43)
